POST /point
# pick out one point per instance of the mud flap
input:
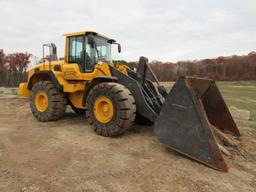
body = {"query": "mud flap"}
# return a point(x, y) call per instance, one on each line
point(195, 121)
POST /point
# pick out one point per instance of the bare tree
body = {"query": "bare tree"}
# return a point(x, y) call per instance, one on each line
point(17, 67)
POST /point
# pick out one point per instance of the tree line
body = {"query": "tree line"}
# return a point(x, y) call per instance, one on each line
point(13, 68)
point(232, 68)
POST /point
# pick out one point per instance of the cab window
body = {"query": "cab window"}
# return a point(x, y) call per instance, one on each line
point(76, 47)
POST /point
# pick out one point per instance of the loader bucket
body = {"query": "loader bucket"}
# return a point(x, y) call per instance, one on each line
point(195, 121)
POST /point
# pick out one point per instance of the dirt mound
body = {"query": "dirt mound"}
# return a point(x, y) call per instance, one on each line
point(67, 155)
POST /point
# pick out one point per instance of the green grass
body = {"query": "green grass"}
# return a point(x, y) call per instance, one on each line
point(240, 94)
point(241, 105)
point(238, 89)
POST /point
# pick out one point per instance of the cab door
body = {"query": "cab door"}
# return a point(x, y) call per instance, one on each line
point(80, 59)
point(76, 52)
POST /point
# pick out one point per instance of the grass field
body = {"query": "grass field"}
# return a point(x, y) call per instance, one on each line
point(240, 94)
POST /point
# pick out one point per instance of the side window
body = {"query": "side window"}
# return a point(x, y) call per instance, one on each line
point(102, 52)
point(76, 46)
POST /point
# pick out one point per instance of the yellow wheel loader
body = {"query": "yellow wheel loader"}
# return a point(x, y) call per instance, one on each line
point(192, 118)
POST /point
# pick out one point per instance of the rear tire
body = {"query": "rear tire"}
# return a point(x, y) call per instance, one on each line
point(52, 105)
point(121, 106)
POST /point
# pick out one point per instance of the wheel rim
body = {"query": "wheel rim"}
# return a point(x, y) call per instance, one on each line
point(41, 101)
point(103, 109)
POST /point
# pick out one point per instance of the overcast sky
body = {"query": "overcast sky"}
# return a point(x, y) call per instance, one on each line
point(167, 30)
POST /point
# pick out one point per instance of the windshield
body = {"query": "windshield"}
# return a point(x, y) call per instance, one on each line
point(103, 50)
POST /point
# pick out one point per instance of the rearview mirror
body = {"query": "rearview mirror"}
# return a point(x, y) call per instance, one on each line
point(119, 48)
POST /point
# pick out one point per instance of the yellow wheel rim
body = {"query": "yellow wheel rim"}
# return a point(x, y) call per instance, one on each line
point(41, 101)
point(103, 109)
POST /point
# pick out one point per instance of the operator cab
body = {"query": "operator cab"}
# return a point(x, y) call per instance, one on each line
point(87, 49)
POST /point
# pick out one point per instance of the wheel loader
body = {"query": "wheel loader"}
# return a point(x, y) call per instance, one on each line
point(191, 119)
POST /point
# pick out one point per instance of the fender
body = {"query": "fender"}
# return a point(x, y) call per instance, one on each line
point(95, 81)
point(142, 107)
point(45, 75)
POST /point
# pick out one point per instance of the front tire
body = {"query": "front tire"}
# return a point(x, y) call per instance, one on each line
point(110, 108)
point(47, 103)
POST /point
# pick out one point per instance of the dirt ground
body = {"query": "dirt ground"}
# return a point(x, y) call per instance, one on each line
point(68, 156)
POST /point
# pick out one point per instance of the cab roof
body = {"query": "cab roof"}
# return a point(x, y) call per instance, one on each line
point(89, 32)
